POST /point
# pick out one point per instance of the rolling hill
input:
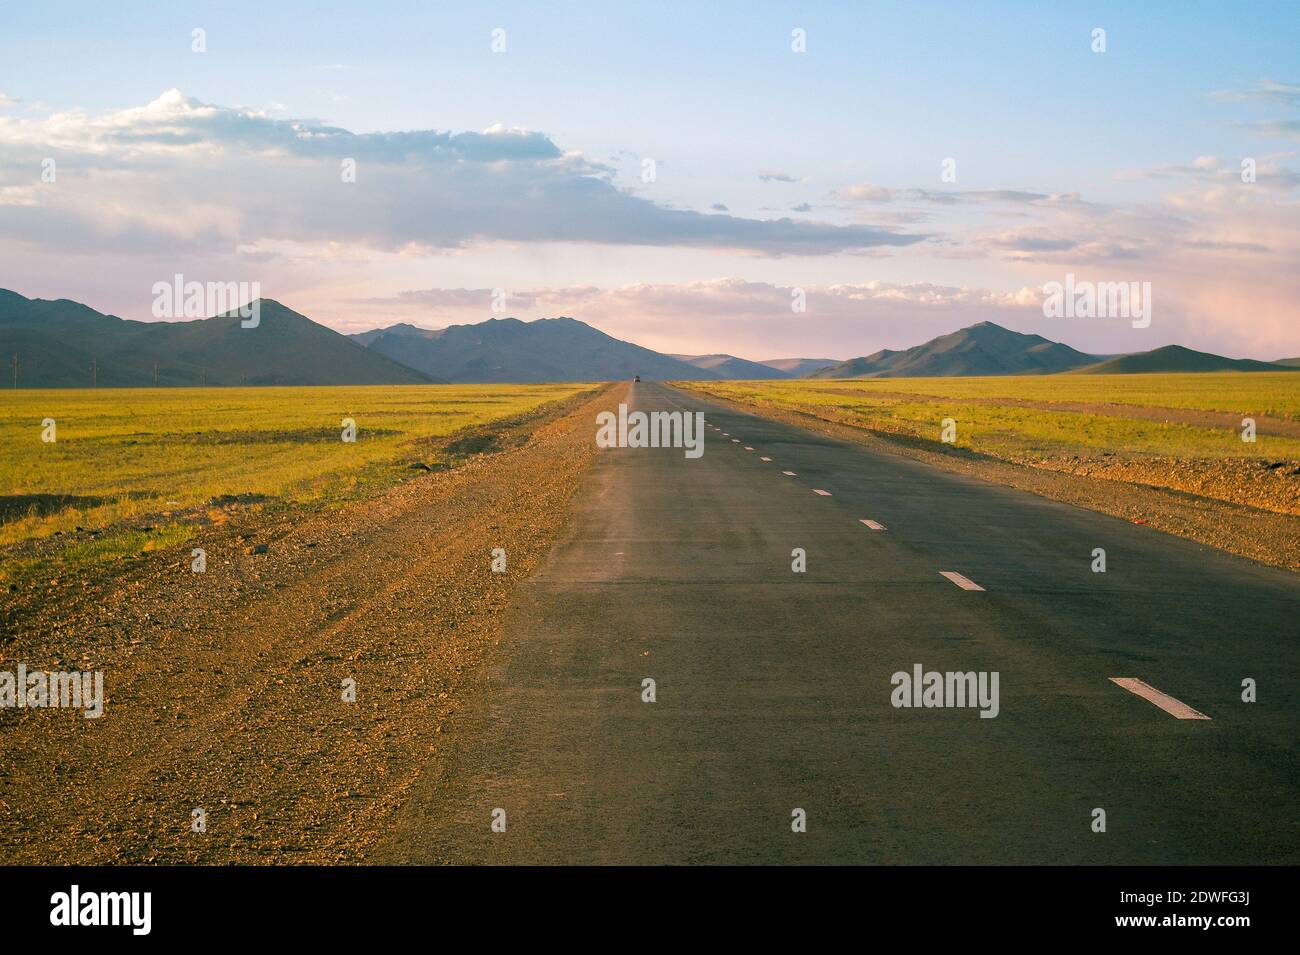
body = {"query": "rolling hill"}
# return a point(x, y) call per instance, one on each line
point(982, 349)
point(799, 367)
point(58, 342)
point(1176, 358)
point(61, 343)
point(401, 328)
point(509, 350)
point(732, 368)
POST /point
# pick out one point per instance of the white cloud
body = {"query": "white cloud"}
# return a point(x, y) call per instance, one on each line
point(1271, 93)
point(1269, 173)
point(1264, 91)
point(1276, 128)
point(181, 185)
point(869, 192)
point(179, 169)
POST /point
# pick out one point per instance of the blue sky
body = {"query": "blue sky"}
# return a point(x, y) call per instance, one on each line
point(1137, 148)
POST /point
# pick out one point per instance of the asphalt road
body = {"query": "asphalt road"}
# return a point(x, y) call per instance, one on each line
point(773, 688)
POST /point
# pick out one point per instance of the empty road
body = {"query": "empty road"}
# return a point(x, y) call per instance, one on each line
point(773, 688)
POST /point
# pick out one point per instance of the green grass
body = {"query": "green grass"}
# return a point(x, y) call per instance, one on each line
point(917, 407)
point(122, 544)
point(122, 454)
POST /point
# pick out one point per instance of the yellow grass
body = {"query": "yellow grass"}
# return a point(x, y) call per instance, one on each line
point(1247, 393)
point(988, 418)
point(121, 454)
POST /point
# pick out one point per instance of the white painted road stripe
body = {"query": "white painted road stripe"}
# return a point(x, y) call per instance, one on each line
point(873, 525)
point(735, 441)
point(1175, 708)
point(748, 448)
point(765, 459)
point(818, 490)
point(965, 583)
point(790, 473)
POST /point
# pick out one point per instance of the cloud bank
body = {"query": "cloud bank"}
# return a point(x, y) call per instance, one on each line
point(195, 175)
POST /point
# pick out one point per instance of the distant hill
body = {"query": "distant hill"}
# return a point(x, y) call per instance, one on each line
point(401, 328)
point(508, 350)
point(1172, 358)
point(799, 367)
point(983, 349)
point(732, 368)
point(57, 341)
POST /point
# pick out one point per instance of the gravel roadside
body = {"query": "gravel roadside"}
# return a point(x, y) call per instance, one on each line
point(224, 690)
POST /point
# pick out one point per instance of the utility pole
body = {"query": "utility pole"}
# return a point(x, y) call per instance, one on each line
point(155, 374)
point(15, 369)
point(94, 373)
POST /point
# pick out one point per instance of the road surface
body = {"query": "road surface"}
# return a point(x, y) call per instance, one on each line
point(773, 688)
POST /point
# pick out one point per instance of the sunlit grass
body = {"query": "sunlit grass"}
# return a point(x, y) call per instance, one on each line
point(918, 406)
point(1247, 393)
point(124, 453)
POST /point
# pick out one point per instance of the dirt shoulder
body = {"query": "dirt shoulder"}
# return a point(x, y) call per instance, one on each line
point(224, 689)
point(1255, 532)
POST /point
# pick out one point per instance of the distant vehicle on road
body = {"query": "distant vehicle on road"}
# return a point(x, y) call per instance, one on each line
point(636, 378)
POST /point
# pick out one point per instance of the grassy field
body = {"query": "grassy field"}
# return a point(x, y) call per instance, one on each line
point(1027, 415)
point(1249, 393)
point(120, 455)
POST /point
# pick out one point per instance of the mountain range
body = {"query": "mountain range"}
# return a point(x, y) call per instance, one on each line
point(506, 349)
point(982, 349)
point(62, 343)
point(799, 367)
point(731, 367)
point(1178, 358)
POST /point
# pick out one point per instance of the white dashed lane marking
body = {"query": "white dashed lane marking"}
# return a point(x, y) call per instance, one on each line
point(748, 448)
point(788, 473)
point(965, 583)
point(1175, 708)
point(765, 459)
point(735, 441)
point(873, 525)
point(818, 490)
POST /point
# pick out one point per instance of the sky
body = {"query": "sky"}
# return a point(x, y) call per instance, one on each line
point(682, 175)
